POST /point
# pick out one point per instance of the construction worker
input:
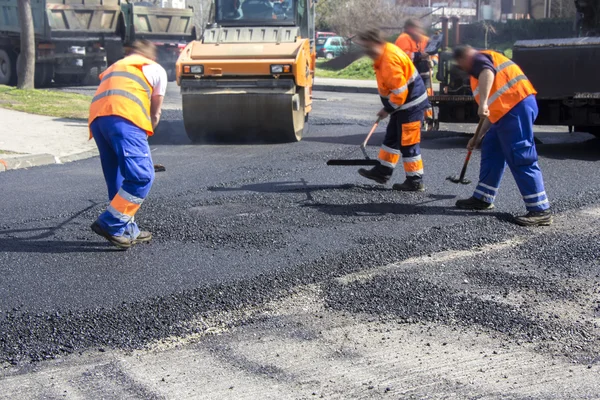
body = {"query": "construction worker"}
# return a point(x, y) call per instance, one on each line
point(404, 98)
point(506, 98)
point(414, 42)
point(124, 112)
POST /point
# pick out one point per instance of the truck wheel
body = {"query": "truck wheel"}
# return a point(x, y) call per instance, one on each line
point(43, 75)
point(8, 67)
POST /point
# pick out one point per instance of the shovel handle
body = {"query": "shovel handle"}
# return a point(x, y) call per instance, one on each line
point(464, 168)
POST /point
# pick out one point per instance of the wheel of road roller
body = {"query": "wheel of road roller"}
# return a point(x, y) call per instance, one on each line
point(245, 118)
point(8, 67)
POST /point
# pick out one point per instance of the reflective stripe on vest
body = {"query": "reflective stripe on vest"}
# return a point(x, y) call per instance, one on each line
point(510, 86)
point(125, 92)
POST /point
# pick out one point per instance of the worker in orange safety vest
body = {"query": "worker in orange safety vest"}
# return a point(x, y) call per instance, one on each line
point(506, 99)
point(404, 99)
point(124, 112)
point(414, 42)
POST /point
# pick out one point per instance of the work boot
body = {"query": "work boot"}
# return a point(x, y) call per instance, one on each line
point(410, 185)
point(377, 174)
point(143, 237)
point(118, 241)
point(535, 218)
point(473, 203)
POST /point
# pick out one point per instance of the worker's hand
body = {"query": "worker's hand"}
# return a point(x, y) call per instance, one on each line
point(474, 143)
point(382, 114)
point(483, 111)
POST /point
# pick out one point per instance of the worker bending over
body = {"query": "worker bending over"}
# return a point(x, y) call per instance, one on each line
point(414, 42)
point(404, 98)
point(124, 112)
point(506, 99)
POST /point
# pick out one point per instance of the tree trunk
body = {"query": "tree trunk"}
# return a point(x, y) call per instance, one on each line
point(26, 63)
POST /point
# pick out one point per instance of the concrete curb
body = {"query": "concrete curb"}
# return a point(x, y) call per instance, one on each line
point(345, 89)
point(38, 160)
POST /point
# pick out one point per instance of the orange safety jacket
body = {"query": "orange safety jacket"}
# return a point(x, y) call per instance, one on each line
point(408, 45)
point(124, 91)
point(398, 80)
point(509, 88)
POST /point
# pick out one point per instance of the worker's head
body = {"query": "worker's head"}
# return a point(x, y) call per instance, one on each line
point(372, 42)
point(144, 48)
point(413, 26)
point(464, 55)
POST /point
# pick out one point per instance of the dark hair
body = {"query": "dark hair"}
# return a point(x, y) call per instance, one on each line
point(371, 35)
point(461, 51)
point(145, 48)
point(412, 23)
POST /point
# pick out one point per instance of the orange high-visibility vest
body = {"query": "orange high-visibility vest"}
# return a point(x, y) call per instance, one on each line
point(408, 45)
point(124, 91)
point(509, 88)
point(397, 79)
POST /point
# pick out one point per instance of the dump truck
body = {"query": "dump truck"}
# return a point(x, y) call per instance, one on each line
point(563, 71)
point(69, 38)
point(250, 76)
point(170, 29)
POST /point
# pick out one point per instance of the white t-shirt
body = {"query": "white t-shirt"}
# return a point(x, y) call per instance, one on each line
point(157, 76)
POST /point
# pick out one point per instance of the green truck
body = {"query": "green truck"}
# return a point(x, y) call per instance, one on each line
point(77, 39)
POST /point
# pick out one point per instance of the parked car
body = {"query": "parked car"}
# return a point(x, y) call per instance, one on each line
point(332, 47)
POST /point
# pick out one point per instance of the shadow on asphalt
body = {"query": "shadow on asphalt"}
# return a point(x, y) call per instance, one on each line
point(53, 246)
point(30, 240)
point(423, 208)
point(584, 151)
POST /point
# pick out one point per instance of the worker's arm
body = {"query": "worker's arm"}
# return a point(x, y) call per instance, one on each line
point(398, 84)
point(156, 103)
point(478, 137)
point(486, 79)
point(157, 76)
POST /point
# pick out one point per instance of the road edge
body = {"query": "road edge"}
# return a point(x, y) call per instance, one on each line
point(38, 160)
point(345, 89)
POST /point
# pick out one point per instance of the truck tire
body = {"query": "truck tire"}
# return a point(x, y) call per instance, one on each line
point(43, 75)
point(8, 67)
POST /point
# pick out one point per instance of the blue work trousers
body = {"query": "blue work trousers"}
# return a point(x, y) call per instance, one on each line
point(510, 141)
point(128, 171)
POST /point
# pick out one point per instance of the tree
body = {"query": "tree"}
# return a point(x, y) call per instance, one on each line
point(350, 16)
point(26, 61)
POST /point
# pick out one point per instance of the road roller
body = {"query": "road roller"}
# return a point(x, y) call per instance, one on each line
point(250, 77)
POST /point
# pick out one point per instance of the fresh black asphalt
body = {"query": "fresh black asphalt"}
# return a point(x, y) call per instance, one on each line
point(240, 224)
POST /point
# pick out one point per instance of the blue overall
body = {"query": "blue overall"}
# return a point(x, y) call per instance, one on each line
point(510, 141)
point(127, 166)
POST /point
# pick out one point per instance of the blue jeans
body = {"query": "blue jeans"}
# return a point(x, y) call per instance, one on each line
point(128, 172)
point(510, 141)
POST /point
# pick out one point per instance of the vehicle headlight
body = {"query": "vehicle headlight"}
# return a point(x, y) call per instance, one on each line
point(281, 69)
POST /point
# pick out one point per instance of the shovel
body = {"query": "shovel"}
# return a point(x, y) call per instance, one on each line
point(461, 179)
point(363, 147)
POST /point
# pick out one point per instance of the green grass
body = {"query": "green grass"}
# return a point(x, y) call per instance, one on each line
point(45, 102)
point(359, 69)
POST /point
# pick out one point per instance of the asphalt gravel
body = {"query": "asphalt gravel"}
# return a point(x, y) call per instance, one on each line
point(239, 225)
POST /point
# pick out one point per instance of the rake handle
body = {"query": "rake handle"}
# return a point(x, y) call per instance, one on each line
point(364, 144)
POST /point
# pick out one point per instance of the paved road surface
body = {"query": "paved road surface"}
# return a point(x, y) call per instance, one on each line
point(238, 227)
